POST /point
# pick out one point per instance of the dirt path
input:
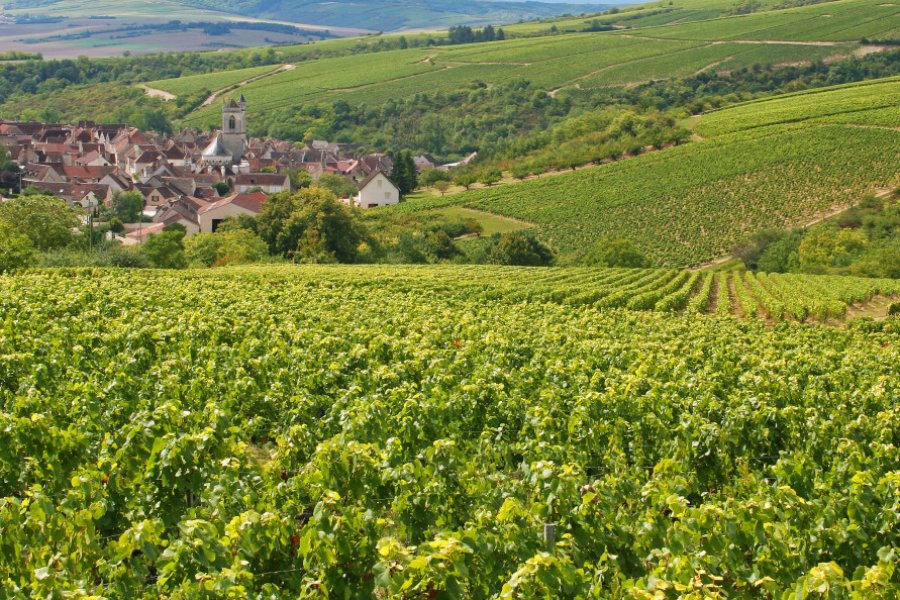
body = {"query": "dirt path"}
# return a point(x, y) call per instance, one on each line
point(779, 43)
point(736, 309)
point(876, 307)
point(217, 94)
point(364, 86)
point(714, 292)
point(155, 93)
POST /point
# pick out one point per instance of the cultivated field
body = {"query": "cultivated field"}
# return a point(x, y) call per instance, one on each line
point(758, 168)
point(443, 431)
point(96, 28)
point(574, 60)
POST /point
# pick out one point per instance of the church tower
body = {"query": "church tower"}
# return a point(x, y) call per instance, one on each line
point(234, 128)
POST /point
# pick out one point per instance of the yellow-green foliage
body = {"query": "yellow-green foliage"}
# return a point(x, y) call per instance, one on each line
point(362, 432)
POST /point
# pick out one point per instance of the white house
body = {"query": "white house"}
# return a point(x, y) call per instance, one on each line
point(209, 217)
point(376, 190)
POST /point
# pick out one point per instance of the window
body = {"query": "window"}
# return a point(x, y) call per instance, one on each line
point(379, 183)
point(387, 195)
point(231, 123)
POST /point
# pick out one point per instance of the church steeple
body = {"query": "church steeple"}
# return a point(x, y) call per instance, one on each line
point(234, 128)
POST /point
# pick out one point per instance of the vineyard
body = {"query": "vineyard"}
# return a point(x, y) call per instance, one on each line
point(455, 432)
point(599, 59)
point(869, 103)
point(780, 162)
point(692, 203)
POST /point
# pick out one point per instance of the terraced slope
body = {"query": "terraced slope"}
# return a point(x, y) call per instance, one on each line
point(395, 432)
point(782, 162)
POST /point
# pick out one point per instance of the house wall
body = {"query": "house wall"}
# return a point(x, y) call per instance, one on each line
point(221, 213)
point(269, 189)
point(379, 192)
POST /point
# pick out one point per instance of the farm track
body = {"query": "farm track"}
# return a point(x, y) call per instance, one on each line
point(216, 95)
point(155, 93)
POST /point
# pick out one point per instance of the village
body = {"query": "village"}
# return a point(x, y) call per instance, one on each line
point(191, 178)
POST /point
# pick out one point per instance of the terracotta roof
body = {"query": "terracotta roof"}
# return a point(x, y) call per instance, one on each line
point(252, 202)
point(84, 172)
point(73, 191)
point(372, 176)
point(260, 179)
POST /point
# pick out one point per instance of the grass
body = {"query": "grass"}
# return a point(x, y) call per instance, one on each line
point(211, 81)
point(490, 223)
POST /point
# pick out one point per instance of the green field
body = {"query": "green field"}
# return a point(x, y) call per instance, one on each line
point(212, 82)
point(448, 432)
point(871, 103)
point(694, 202)
point(574, 60)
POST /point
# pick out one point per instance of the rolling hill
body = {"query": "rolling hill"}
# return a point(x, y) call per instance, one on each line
point(773, 163)
point(563, 63)
point(369, 15)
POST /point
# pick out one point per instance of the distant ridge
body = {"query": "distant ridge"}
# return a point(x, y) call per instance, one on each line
point(369, 14)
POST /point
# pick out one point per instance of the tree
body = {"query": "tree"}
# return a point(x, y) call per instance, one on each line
point(128, 206)
point(340, 186)
point(518, 248)
point(166, 250)
point(520, 171)
point(827, 249)
point(300, 179)
point(464, 178)
point(238, 223)
point(221, 188)
point(403, 173)
point(751, 251)
point(490, 176)
point(438, 246)
point(430, 177)
point(616, 253)
point(233, 247)
point(9, 171)
point(16, 248)
point(442, 186)
point(47, 221)
point(309, 225)
point(781, 255)
point(116, 225)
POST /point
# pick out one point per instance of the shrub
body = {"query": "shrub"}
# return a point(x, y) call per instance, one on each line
point(616, 253)
point(166, 250)
point(233, 247)
point(16, 249)
point(518, 248)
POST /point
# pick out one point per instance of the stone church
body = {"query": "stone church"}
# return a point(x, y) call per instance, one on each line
point(228, 146)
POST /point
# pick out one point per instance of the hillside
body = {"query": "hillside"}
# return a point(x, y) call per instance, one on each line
point(772, 163)
point(397, 15)
point(563, 63)
point(103, 28)
point(397, 432)
point(360, 15)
